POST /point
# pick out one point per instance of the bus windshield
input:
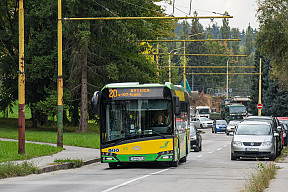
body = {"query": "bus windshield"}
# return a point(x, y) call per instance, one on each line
point(128, 119)
point(237, 109)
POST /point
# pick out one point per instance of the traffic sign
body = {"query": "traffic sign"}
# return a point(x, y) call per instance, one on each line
point(259, 106)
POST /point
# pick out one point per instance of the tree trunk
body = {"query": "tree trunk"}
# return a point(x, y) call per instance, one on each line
point(83, 126)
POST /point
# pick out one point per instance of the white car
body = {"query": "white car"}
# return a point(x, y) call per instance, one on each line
point(205, 122)
point(196, 122)
point(231, 126)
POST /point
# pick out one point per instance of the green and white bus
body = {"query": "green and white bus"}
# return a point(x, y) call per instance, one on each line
point(129, 129)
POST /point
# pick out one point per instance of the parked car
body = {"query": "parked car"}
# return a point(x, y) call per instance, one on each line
point(195, 138)
point(219, 126)
point(231, 126)
point(196, 122)
point(284, 123)
point(275, 127)
point(254, 139)
point(285, 135)
point(205, 122)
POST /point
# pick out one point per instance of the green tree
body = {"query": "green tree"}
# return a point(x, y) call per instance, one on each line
point(274, 99)
point(225, 28)
point(110, 48)
point(273, 36)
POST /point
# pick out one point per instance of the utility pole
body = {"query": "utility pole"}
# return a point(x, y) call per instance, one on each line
point(60, 80)
point(260, 76)
point(21, 83)
point(227, 80)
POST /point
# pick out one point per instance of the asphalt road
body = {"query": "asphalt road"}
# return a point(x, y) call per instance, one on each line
point(208, 170)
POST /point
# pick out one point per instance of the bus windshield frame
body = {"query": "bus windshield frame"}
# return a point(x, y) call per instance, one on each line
point(135, 118)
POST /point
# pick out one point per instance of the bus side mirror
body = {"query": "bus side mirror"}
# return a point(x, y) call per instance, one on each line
point(95, 102)
point(177, 105)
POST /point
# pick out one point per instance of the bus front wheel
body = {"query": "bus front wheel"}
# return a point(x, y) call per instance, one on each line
point(113, 165)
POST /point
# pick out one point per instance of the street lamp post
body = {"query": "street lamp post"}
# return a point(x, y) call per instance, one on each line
point(227, 81)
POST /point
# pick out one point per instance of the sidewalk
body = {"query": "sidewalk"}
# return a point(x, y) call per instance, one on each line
point(279, 184)
point(46, 163)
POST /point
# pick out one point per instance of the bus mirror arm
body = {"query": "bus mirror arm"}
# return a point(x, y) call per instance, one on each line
point(95, 102)
point(176, 105)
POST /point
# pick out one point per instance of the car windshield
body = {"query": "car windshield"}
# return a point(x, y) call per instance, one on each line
point(233, 122)
point(192, 130)
point(221, 122)
point(203, 111)
point(204, 119)
point(253, 130)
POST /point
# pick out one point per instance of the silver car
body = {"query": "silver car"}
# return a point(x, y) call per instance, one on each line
point(253, 139)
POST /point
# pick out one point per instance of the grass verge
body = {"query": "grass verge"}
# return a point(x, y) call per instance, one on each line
point(48, 134)
point(76, 162)
point(12, 169)
point(9, 151)
point(261, 178)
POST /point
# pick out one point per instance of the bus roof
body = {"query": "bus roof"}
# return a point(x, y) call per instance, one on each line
point(137, 84)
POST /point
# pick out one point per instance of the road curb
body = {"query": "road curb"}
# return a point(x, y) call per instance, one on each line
point(63, 166)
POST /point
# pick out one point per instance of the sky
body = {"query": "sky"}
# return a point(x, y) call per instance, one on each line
point(243, 11)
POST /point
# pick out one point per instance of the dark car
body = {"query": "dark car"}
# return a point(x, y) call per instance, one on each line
point(276, 127)
point(284, 124)
point(285, 133)
point(195, 138)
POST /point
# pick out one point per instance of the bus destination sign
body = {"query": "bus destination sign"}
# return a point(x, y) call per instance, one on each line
point(135, 92)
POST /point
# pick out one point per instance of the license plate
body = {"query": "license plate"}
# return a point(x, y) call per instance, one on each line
point(252, 149)
point(136, 158)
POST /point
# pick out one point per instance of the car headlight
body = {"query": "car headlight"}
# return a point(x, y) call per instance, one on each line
point(237, 143)
point(267, 143)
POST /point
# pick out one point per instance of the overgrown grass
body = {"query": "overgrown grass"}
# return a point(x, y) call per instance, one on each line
point(12, 169)
point(9, 151)
point(48, 133)
point(261, 178)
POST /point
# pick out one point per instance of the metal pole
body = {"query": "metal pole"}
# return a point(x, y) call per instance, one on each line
point(184, 71)
point(157, 58)
point(259, 110)
point(134, 18)
point(227, 81)
point(60, 80)
point(169, 69)
point(21, 83)
point(192, 81)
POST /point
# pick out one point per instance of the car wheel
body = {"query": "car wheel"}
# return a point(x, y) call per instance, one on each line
point(233, 157)
point(227, 133)
point(201, 126)
point(200, 147)
point(196, 149)
point(272, 157)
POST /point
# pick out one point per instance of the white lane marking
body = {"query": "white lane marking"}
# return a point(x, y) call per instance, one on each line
point(199, 156)
point(225, 145)
point(126, 183)
point(219, 149)
point(210, 151)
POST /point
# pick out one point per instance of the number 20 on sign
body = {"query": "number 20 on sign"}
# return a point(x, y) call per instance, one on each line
point(113, 93)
